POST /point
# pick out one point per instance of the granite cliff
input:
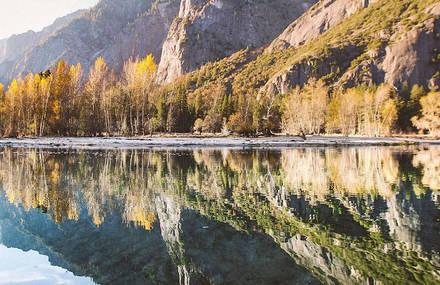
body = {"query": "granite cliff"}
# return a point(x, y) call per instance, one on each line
point(211, 30)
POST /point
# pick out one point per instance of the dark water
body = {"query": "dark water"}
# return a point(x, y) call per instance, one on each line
point(298, 216)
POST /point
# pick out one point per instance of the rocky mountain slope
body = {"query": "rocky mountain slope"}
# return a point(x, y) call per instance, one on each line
point(14, 48)
point(185, 33)
point(341, 42)
point(16, 45)
point(113, 29)
point(320, 18)
point(210, 30)
point(345, 45)
point(401, 47)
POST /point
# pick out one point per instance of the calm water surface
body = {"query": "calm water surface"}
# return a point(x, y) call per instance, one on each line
point(297, 216)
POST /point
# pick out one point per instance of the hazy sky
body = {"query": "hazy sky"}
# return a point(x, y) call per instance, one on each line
point(18, 16)
point(19, 267)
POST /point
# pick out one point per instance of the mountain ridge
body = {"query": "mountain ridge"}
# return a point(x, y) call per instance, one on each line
point(113, 29)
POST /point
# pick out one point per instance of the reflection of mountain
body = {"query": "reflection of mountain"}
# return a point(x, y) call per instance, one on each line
point(90, 251)
point(114, 254)
point(203, 216)
point(208, 252)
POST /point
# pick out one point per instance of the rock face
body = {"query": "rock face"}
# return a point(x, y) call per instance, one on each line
point(113, 29)
point(320, 18)
point(210, 30)
point(145, 35)
point(405, 56)
point(411, 58)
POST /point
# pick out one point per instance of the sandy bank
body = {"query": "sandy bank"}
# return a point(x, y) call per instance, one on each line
point(216, 142)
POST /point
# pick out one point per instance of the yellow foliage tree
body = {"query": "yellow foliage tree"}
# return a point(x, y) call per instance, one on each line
point(430, 117)
point(305, 109)
point(99, 79)
point(138, 82)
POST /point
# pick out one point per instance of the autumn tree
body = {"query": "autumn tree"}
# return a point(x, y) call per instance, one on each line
point(11, 108)
point(60, 109)
point(379, 112)
point(344, 112)
point(44, 101)
point(75, 88)
point(138, 83)
point(2, 108)
point(267, 113)
point(430, 115)
point(363, 110)
point(305, 109)
point(241, 121)
point(99, 79)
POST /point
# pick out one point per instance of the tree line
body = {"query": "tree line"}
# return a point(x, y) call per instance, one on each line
point(64, 102)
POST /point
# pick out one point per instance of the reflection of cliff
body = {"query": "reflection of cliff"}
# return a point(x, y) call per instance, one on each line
point(169, 213)
point(413, 221)
point(187, 249)
point(354, 192)
point(311, 255)
point(325, 208)
point(110, 254)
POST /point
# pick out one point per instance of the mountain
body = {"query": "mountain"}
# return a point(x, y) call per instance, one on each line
point(210, 30)
point(322, 17)
point(339, 41)
point(343, 43)
point(113, 29)
point(15, 47)
point(185, 34)
point(400, 48)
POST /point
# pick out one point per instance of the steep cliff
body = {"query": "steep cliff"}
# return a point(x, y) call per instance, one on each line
point(210, 30)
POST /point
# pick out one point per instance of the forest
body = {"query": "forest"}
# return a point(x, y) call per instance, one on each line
point(65, 102)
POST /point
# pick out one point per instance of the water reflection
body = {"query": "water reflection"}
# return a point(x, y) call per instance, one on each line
point(348, 215)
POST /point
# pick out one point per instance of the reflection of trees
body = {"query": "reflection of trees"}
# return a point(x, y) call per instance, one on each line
point(429, 160)
point(35, 180)
point(344, 171)
point(106, 180)
point(131, 179)
point(363, 171)
point(305, 171)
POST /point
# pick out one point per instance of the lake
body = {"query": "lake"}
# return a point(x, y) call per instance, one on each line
point(365, 215)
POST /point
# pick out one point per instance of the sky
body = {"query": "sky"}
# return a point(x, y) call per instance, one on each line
point(19, 16)
point(19, 267)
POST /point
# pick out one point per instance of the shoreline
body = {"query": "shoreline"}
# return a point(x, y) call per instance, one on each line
point(182, 142)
